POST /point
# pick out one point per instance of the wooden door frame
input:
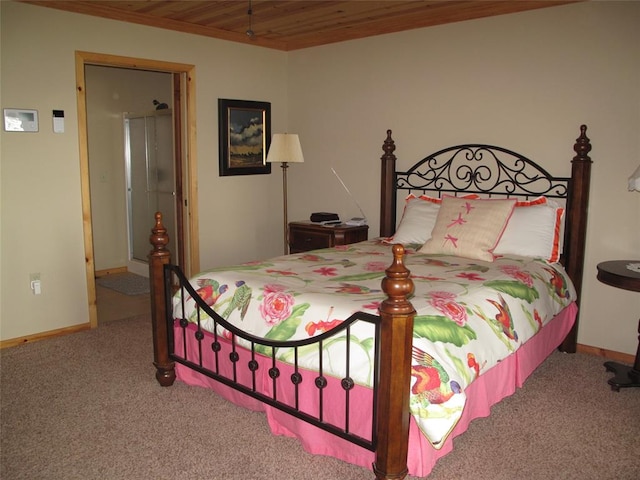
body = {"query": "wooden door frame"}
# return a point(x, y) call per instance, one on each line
point(186, 91)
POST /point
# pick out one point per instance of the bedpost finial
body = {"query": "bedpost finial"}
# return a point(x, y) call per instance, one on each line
point(397, 284)
point(398, 253)
point(582, 146)
point(389, 145)
point(159, 238)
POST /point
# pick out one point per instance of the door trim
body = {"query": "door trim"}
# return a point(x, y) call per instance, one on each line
point(187, 85)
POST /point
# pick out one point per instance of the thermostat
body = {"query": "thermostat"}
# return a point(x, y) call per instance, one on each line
point(20, 120)
point(58, 121)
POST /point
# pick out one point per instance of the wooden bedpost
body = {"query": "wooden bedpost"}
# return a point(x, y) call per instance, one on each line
point(158, 257)
point(578, 204)
point(388, 188)
point(396, 339)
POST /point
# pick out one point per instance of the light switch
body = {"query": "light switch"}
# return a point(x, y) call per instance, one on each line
point(58, 121)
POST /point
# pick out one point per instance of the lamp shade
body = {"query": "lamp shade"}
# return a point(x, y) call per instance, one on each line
point(285, 147)
point(634, 180)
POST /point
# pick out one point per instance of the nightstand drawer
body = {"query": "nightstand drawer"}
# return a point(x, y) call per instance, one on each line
point(305, 236)
point(301, 239)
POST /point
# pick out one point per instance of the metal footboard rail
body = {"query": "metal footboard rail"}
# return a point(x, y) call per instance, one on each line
point(262, 354)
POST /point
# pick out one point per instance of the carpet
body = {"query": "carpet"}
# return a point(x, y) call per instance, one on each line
point(87, 406)
point(127, 283)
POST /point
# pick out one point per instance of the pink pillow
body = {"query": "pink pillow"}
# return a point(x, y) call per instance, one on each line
point(418, 219)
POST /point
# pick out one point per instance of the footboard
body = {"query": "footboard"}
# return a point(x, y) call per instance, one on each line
point(271, 371)
point(255, 366)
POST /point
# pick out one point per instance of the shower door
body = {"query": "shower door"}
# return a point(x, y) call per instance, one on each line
point(150, 166)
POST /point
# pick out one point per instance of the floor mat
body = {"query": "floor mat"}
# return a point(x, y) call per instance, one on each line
point(127, 283)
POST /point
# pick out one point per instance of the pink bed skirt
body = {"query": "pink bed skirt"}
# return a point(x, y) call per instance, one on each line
point(491, 387)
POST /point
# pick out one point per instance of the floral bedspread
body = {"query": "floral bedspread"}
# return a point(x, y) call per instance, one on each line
point(470, 314)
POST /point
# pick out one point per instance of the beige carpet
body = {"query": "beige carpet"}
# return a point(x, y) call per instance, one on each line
point(86, 406)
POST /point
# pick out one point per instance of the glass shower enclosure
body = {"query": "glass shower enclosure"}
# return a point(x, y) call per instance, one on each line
point(150, 171)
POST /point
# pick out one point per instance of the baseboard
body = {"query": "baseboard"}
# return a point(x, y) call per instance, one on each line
point(604, 353)
point(110, 271)
point(12, 342)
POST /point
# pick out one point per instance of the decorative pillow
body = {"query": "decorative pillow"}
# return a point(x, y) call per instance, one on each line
point(531, 203)
point(533, 231)
point(469, 228)
point(418, 219)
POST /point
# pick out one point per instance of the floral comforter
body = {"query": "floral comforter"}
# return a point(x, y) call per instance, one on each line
point(470, 314)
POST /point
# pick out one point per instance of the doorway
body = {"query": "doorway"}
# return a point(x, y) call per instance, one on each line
point(184, 150)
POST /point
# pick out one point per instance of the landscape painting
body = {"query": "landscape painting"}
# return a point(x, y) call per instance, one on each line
point(245, 134)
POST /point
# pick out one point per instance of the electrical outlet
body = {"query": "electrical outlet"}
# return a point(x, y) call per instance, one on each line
point(34, 283)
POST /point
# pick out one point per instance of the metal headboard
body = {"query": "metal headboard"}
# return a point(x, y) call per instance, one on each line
point(486, 170)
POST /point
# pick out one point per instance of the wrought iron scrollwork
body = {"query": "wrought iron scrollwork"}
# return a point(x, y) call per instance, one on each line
point(481, 169)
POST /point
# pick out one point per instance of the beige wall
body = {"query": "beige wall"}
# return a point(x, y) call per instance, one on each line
point(524, 81)
point(41, 198)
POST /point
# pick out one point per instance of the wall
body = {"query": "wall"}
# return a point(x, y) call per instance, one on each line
point(110, 93)
point(40, 176)
point(524, 81)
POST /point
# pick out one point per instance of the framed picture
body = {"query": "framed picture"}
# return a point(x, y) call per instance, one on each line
point(245, 134)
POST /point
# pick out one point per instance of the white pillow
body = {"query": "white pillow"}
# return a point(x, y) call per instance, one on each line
point(469, 228)
point(533, 231)
point(418, 219)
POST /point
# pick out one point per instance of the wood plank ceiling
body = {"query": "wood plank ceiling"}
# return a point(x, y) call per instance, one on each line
point(293, 24)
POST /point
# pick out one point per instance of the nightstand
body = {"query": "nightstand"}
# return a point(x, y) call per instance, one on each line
point(616, 274)
point(305, 236)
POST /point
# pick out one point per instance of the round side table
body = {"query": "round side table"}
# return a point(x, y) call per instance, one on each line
point(616, 274)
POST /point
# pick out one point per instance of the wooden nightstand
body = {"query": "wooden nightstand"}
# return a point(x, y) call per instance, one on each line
point(616, 274)
point(305, 236)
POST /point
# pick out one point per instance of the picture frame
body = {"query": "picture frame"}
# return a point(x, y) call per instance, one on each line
point(244, 137)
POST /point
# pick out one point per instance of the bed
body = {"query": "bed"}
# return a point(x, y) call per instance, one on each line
point(380, 353)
